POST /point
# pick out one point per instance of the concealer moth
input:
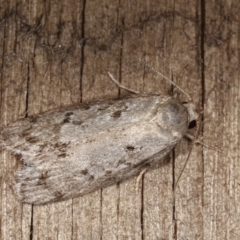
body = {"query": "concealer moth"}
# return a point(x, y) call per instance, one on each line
point(73, 151)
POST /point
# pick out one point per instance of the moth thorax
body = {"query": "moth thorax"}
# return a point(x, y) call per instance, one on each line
point(173, 115)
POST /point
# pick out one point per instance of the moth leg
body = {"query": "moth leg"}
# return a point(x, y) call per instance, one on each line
point(139, 178)
point(191, 137)
point(120, 85)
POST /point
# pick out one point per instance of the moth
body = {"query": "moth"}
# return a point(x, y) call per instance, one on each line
point(70, 152)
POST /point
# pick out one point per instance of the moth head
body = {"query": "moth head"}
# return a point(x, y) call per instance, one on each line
point(192, 113)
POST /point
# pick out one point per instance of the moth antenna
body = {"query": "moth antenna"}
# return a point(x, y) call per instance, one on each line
point(203, 144)
point(154, 70)
point(120, 85)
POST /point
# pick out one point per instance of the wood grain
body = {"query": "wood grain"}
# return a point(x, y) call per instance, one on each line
point(56, 53)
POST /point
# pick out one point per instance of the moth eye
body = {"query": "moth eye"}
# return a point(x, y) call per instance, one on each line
point(192, 124)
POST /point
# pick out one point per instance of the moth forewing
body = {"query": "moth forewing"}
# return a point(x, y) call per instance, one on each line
point(71, 152)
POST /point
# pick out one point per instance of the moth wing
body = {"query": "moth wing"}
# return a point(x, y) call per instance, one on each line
point(92, 163)
point(30, 135)
point(72, 152)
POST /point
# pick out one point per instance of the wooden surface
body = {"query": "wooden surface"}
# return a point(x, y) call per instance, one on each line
point(55, 53)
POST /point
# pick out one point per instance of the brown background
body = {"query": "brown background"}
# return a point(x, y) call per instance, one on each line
point(55, 53)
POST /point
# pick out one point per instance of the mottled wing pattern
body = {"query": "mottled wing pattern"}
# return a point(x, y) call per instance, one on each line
point(75, 151)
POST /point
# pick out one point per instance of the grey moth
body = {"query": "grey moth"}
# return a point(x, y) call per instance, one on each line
point(73, 151)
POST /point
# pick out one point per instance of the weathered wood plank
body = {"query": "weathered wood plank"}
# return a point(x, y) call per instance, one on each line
point(221, 171)
point(55, 53)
